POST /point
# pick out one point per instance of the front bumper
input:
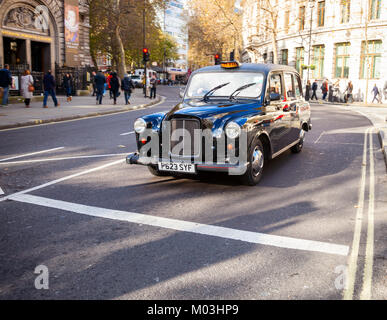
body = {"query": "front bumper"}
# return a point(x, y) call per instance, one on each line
point(235, 169)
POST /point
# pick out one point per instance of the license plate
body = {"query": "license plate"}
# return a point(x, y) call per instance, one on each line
point(177, 167)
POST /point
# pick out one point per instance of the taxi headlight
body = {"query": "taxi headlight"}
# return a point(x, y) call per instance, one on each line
point(139, 125)
point(233, 130)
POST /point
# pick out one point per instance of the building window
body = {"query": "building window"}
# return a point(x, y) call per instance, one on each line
point(321, 13)
point(286, 21)
point(375, 9)
point(345, 10)
point(342, 60)
point(284, 56)
point(371, 59)
point(271, 57)
point(299, 59)
point(301, 18)
point(318, 61)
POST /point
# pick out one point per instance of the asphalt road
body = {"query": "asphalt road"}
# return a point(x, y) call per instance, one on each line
point(102, 235)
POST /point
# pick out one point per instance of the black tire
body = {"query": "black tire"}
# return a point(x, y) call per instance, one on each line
point(298, 147)
point(156, 172)
point(254, 170)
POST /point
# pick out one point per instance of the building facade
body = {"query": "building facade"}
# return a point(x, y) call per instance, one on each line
point(175, 24)
point(338, 40)
point(44, 34)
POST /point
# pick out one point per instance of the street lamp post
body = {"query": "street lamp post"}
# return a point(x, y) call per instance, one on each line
point(143, 42)
point(311, 6)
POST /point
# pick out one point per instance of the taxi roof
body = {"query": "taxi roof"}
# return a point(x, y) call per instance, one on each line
point(249, 67)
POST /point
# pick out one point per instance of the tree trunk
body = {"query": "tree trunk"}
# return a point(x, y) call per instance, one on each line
point(121, 53)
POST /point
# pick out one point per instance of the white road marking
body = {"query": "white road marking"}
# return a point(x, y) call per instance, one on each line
point(1, 192)
point(64, 158)
point(63, 179)
point(320, 136)
point(126, 133)
point(186, 226)
point(369, 256)
point(352, 264)
point(31, 154)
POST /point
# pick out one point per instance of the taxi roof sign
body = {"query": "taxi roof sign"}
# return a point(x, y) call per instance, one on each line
point(229, 64)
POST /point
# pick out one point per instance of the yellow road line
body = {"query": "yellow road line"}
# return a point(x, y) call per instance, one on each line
point(369, 257)
point(352, 265)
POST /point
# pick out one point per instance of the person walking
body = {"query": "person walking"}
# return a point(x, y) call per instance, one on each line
point(385, 90)
point(49, 85)
point(68, 86)
point(324, 89)
point(314, 90)
point(348, 92)
point(99, 81)
point(93, 84)
point(375, 90)
point(27, 87)
point(307, 90)
point(5, 83)
point(153, 87)
point(108, 79)
point(127, 85)
point(115, 86)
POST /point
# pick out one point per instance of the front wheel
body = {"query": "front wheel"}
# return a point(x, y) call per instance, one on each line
point(298, 147)
point(254, 169)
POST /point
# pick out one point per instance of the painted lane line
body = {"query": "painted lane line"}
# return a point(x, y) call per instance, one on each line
point(352, 263)
point(65, 158)
point(1, 192)
point(322, 133)
point(63, 179)
point(31, 154)
point(186, 226)
point(126, 133)
point(369, 256)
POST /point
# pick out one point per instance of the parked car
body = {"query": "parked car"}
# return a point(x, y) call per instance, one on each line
point(232, 118)
point(137, 80)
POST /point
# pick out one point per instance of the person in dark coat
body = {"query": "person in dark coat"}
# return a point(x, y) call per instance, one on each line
point(314, 89)
point(99, 82)
point(375, 90)
point(307, 90)
point(5, 83)
point(115, 86)
point(153, 87)
point(324, 89)
point(68, 86)
point(127, 85)
point(49, 89)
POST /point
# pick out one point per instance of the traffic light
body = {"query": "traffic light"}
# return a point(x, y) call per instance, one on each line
point(145, 54)
point(218, 59)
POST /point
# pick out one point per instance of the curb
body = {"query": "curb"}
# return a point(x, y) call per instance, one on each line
point(89, 115)
point(383, 142)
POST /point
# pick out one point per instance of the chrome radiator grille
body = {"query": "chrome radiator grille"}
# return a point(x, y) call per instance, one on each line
point(185, 137)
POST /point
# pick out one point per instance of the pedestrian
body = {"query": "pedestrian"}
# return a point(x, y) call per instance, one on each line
point(100, 82)
point(27, 87)
point(314, 89)
point(324, 89)
point(127, 85)
point(68, 86)
point(5, 83)
point(385, 90)
point(115, 86)
point(153, 87)
point(307, 90)
point(49, 85)
point(348, 92)
point(108, 78)
point(375, 90)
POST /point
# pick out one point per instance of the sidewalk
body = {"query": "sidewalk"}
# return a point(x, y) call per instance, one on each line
point(376, 113)
point(17, 115)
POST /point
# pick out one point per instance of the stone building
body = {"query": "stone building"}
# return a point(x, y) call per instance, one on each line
point(340, 40)
point(44, 34)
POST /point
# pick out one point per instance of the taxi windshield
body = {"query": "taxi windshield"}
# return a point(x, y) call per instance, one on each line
point(202, 83)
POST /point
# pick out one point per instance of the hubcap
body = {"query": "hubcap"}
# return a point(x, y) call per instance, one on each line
point(257, 161)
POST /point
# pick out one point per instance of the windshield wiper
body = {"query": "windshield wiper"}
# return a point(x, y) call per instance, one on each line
point(239, 90)
point(205, 97)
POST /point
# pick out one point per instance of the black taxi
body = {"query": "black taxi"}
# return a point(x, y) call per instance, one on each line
point(232, 118)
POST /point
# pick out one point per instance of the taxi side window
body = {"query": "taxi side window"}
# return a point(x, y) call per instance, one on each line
point(297, 82)
point(289, 86)
point(275, 85)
